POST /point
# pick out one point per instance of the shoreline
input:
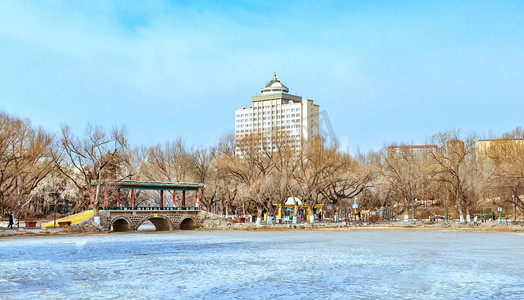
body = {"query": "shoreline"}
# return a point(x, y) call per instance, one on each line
point(75, 231)
point(390, 226)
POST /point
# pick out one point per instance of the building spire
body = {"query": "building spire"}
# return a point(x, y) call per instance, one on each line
point(275, 75)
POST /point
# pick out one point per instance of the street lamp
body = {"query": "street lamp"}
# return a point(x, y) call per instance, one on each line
point(216, 192)
point(412, 201)
point(355, 206)
point(413, 208)
point(514, 208)
point(18, 216)
point(54, 222)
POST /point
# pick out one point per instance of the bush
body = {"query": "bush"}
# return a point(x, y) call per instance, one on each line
point(373, 218)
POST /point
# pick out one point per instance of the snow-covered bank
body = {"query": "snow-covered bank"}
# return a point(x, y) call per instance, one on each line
point(87, 228)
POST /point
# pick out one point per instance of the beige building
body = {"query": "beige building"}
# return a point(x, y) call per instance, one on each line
point(276, 112)
point(497, 147)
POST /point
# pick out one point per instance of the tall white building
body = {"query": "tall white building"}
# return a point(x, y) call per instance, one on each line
point(276, 111)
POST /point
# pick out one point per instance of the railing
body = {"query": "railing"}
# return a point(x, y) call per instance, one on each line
point(156, 208)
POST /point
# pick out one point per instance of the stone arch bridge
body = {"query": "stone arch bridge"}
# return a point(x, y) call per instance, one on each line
point(164, 219)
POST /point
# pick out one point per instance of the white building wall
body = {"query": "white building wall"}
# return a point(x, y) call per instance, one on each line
point(298, 118)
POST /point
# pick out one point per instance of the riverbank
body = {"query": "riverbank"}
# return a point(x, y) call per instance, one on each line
point(398, 225)
point(340, 226)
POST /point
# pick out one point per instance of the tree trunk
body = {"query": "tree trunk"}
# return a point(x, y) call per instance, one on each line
point(96, 215)
point(461, 213)
point(259, 215)
point(407, 211)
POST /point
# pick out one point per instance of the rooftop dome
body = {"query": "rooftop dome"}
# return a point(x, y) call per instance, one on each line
point(274, 86)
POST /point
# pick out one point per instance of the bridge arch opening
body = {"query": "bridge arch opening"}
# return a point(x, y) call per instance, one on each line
point(161, 224)
point(155, 224)
point(120, 225)
point(188, 224)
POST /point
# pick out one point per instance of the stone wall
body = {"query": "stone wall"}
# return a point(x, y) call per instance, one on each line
point(212, 221)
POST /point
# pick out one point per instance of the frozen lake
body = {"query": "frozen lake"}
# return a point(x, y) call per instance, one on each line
point(246, 264)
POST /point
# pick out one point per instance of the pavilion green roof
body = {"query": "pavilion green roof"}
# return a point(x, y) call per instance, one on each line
point(151, 185)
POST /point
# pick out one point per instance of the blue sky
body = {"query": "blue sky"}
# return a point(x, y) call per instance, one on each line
point(383, 71)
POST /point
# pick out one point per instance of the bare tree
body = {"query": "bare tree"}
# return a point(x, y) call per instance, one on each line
point(226, 186)
point(348, 180)
point(26, 158)
point(315, 171)
point(249, 172)
point(202, 172)
point(502, 163)
point(286, 162)
point(400, 169)
point(91, 158)
point(170, 162)
point(457, 169)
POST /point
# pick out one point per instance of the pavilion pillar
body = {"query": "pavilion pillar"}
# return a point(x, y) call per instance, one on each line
point(161, 198)
point(91, 196)
point(106, 197)
point(196, 198)
point(174, 198)
point(184, 198)
point(118, 198)
point(132, 197)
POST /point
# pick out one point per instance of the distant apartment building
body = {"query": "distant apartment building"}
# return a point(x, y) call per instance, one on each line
point(427, 153)
point(455, 146)
point(275, 112)
point(418, 152)
point(489, 147)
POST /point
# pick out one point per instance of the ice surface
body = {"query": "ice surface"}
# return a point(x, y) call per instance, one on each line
point(247, 264)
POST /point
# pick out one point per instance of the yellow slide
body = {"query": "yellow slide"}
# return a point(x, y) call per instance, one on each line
point(74, 219)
